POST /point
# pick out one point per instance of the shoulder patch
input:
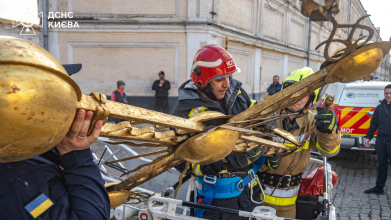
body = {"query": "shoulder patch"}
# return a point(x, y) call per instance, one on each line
point(39, 205)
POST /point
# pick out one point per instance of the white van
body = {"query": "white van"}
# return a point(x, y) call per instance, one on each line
point(354, 104)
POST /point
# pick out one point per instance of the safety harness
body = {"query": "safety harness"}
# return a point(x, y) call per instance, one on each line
point(209, 186)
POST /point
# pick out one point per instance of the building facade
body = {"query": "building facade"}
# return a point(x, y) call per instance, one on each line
point(132, 40)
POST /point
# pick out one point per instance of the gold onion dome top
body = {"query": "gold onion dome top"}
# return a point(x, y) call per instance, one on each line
point(20, 52)
point(38, 100)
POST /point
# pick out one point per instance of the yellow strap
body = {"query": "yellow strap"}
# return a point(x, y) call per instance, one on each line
point(280, 201)
point(240, 92)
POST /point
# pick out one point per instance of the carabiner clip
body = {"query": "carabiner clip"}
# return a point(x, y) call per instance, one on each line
point(251, 191)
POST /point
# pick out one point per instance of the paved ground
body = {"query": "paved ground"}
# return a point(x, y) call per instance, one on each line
point(356, 172)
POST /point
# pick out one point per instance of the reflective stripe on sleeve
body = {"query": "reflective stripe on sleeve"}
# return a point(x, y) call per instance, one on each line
point(197, 110)
point(252, 103)
point(305, 147)
point(328, 153)
point(334, 152)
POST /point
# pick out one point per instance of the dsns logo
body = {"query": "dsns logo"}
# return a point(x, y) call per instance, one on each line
point(26, 17)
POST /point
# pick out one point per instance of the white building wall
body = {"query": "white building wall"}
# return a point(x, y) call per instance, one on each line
point(272, 24)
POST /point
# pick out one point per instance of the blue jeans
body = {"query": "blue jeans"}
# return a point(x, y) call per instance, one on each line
point(383, 152)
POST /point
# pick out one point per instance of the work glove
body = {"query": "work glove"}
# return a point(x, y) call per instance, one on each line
point(325, 121)
point(240, 160)
point(273, 162)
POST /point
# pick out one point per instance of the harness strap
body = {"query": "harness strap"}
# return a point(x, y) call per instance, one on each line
point(273, 179)
point(224, 187)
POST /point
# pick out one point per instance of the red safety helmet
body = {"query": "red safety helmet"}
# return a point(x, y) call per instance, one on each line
point(212, 62)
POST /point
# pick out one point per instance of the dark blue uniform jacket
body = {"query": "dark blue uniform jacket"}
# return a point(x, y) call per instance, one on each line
point(236, 101)
point(75, 187)
point(274, 89)
point(380, 121)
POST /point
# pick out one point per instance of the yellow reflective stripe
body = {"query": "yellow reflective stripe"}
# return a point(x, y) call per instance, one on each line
point(282, 193)
point(240, 92)
point(197, 171)
point(197, 110)
point(202, 110)
point(281, 197)
point(256, 154)
point(192, 112)
point(356, 117)
point(305, 147)
point(280, 201)
point(366, 124)
point(252, 103)
point(345, 111)
point(328, 153)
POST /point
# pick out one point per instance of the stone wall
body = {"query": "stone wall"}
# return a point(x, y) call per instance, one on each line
point(134, 40)
point(135, 58)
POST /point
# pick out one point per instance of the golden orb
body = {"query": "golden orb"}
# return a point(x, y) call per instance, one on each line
point(37, 100)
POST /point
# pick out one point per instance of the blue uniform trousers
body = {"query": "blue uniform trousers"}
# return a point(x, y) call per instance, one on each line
point(383, 152)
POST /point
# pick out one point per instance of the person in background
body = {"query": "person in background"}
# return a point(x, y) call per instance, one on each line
point(381, 121)
point(273, 88)
point(161, 88)
point(119, 96)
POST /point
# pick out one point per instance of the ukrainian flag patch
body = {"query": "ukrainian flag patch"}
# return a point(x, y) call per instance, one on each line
point(39, 205)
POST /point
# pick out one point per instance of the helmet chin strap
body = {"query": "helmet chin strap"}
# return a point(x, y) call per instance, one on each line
point(311, 99)
point(208, 91)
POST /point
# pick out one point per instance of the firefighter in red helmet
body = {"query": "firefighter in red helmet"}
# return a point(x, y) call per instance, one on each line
point(212, 88)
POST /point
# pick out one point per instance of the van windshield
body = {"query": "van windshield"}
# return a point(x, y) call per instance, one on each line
point(330, 89)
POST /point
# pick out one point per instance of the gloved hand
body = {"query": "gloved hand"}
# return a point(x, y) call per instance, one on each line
point(239, 160)
point(325, 121)
point(273, 162)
